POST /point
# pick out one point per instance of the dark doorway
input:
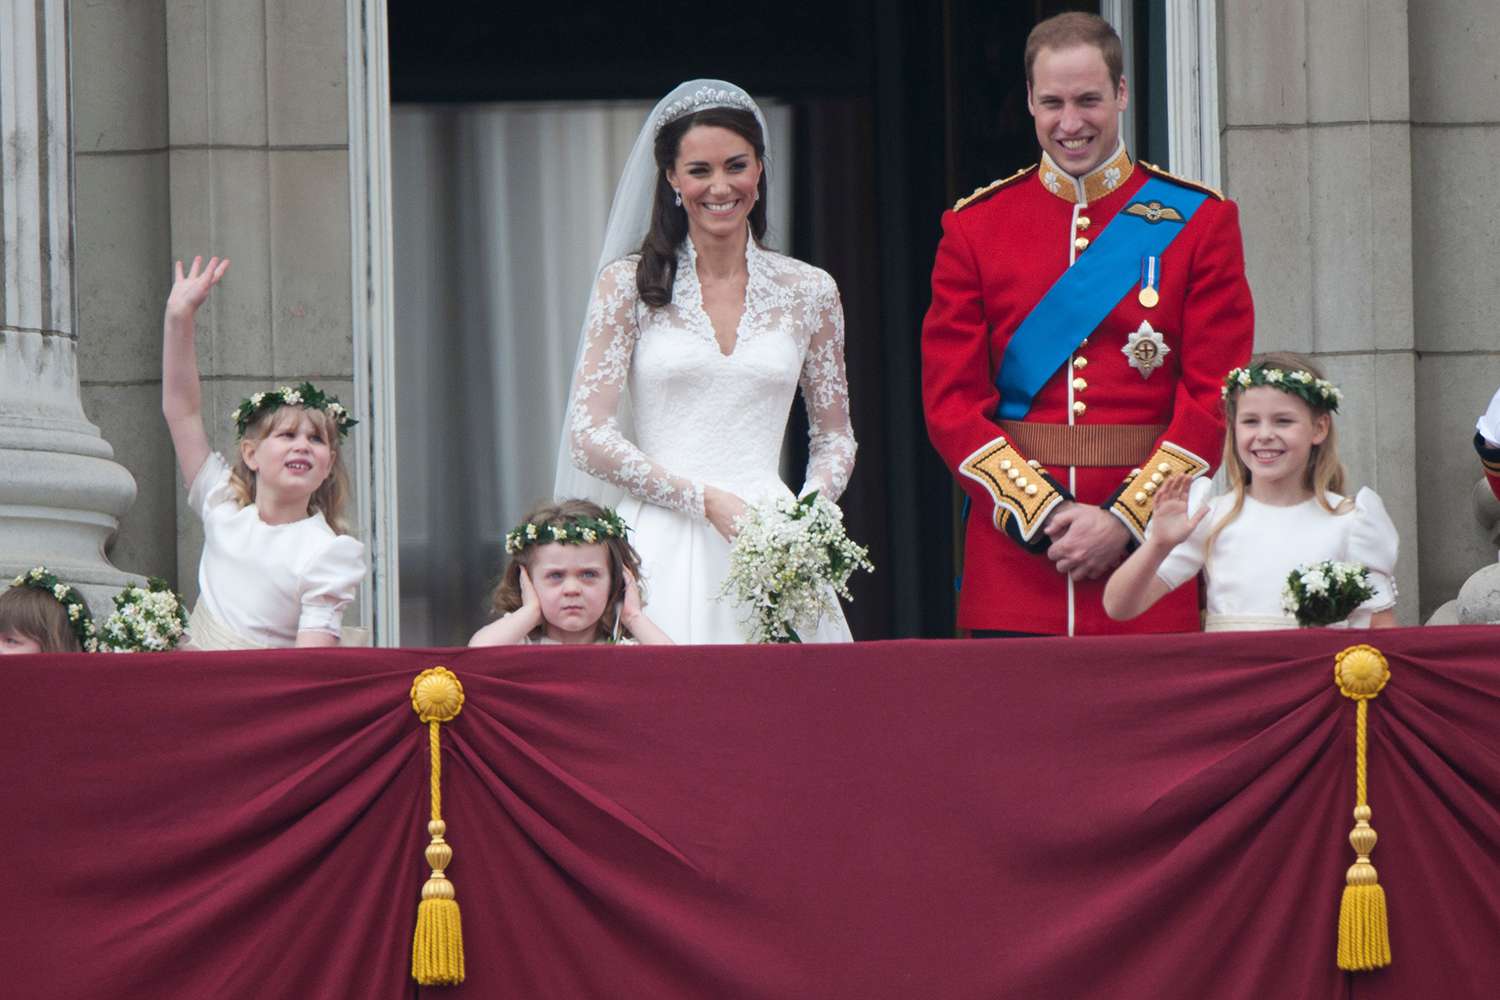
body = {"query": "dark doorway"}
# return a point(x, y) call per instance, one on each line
point(900, 107)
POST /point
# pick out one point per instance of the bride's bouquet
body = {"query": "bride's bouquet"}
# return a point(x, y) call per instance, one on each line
point(786, 564)
point(1325, 593)
point(149, 619)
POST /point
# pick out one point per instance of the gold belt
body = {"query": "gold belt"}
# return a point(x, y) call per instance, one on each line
point(1123, 445)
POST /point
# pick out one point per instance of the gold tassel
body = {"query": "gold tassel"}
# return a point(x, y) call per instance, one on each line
point(437, 948)
point(1361, 672)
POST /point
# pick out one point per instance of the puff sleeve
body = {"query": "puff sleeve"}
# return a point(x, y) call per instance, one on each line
point(329, 583)
point(210, 488)
point(1373, 543)
point(1186, 560)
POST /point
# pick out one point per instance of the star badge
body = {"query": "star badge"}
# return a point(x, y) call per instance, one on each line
point(1145, 349)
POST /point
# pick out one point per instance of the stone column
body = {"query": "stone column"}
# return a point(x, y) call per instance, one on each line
point(1318, 152)
point(61, 493)
point(1455, 146)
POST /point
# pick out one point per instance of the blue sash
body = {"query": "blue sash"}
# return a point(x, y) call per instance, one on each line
point(1089, 290)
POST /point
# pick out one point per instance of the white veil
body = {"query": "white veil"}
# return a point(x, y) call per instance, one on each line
point(629, 218)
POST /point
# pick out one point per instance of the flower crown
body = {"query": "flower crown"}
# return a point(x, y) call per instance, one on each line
point(306, 394)
point(698, 100)
point(1319, 393)
point(581, 530)
point(79, 619)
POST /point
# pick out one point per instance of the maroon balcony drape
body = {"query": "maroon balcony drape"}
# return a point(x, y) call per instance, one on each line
point(1154, 817)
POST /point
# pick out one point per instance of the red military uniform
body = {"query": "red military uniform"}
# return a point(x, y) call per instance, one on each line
point(1138, 399)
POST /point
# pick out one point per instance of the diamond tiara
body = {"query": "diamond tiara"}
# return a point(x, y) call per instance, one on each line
point(704, 97)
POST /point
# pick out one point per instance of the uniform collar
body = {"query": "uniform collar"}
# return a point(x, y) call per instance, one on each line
point(1103, 179)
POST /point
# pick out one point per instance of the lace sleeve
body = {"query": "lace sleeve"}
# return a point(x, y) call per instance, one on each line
point(598, 447)
point(825, 388)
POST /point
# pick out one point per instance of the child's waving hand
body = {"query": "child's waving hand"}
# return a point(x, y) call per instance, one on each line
point(1170, 523)
point(189, 291)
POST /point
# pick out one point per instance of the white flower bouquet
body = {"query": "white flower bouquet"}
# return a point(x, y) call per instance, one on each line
point(149, 619)
point(786, 564)
point(1325, 593)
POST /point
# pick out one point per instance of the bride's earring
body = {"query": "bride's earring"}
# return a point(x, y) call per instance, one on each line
point(677, 197)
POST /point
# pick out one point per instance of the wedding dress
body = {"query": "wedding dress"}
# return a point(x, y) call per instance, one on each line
point(702, 417)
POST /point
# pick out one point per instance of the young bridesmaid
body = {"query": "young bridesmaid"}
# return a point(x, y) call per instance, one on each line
point(278, 567)
point(41, 614)
point(571, 579)
point(1283, 510)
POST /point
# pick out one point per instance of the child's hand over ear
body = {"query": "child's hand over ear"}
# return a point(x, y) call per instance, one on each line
point(630, 607)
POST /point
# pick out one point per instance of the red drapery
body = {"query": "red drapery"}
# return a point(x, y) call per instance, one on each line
point(1152, 817)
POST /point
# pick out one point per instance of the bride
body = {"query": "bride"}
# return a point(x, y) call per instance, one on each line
point(696, 340)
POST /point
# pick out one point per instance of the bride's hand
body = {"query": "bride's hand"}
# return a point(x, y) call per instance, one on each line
point(722, 508)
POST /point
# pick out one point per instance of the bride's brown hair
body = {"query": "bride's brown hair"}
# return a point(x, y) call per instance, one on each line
point(657, 269)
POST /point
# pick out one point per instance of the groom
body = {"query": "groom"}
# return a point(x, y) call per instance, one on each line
point(1084, 312)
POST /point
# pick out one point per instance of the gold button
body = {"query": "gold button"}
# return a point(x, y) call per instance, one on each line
point(1082, 243)
point(1164, 468)
point(1012, 473)
point(1133, 473)
point(1004, 464)
point(1080, 362)
point(1021, 482)
point(1082, 223)
point(1149, 487)
point(1156, 478)
point(1140, 498)
point(1080, 384)
point(1079, 406)
point(1033, 463)
point(1031, 490)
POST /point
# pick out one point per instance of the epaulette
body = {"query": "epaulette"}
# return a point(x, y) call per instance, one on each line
point(1195, 185)
point(980, 193)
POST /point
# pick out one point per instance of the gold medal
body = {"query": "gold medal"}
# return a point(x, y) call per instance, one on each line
point(1148, 297)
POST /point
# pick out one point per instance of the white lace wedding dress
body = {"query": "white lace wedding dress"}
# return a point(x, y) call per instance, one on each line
point(705, 418)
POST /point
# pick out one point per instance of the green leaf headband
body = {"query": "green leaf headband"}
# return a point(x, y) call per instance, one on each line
point(581, 530)
point(306, 394)
point(79, 619)
point(1319, 393)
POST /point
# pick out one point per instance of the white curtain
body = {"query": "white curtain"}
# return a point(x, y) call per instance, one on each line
point(499, 214)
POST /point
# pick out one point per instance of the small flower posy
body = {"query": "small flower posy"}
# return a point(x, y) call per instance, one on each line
point(306, 394)
point(573, 531)
point(1325, 593)
point(79, 619)
point(1319, 393)
point(149, 619)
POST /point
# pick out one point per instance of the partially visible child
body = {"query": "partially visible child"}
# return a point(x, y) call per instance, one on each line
point(571, 579)
point(278, 568)
point(1487, 442)
point(41, 614)
point(1284, 510)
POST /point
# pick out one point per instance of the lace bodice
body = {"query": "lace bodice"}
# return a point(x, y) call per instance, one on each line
point(703, 417)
